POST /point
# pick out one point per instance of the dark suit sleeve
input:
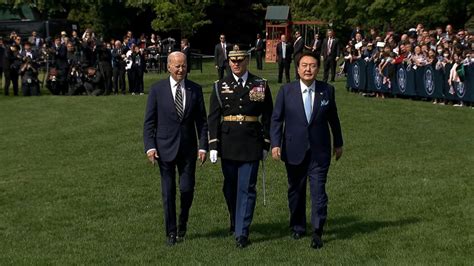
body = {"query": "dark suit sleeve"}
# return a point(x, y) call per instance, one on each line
point(338, 48)
point(201, 121)
point(216, 55)
point(266, 117)
point(334, 122)
point(324, 47)
point(278, 117)
point(149, 127)
point(214, 120)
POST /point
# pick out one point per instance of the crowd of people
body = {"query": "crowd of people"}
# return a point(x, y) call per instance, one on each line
point(80, 64)
point(417, 47)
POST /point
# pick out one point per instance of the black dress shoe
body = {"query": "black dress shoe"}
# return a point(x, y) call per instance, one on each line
point(297, 235)
point(171, 241)
point(231, 230)
point(242, 242)
point(181, 235)
point(317, 242)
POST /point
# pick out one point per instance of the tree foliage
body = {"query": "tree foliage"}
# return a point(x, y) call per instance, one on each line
point(188, 16)
point(394, 14)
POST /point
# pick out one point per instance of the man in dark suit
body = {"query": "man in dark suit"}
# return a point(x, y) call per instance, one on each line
point(315, 47)
point(118, 64)
point(259, 51)
point(175, 120)
point(239, 122)
point(284, 51)
point(298, 46)
point(185, 49)
point(221, 61)
point(330, 51)
point(304, 111)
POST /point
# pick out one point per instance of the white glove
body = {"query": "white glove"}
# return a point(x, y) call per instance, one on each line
point(265, 154)
point(213, 156)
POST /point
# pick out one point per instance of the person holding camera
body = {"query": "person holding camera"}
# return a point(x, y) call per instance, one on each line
point(104, 65)
point(12, 64)
point(60, 62)
point(137, 68)
point(29, 78)
point(93, 82)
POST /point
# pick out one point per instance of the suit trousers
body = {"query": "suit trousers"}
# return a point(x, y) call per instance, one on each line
point(119, 79)
point(240, 179)
point(329, 65)
point(11, 76)
point(297, 179)
point(186, 165)
point(221, 69)
point(106, 70)
point(259, 58)
point(284, 64)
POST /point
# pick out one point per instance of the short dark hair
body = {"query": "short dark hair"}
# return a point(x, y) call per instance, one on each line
point(306, 54)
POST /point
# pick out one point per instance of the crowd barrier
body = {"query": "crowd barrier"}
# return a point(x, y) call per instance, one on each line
point(423, 82)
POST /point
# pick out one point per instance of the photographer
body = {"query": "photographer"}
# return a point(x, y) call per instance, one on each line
point(76, 80)
point(93, 82)
point(61, 65)
point(136, 71)
point(12, 64)
point(29, 77)
point(104, 66)
point(75, 73)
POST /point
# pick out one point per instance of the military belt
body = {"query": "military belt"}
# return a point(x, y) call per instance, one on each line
point(241, 118)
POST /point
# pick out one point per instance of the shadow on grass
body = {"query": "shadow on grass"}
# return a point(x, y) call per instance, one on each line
point(259, 232)
point(339, 228)
point(346, 227)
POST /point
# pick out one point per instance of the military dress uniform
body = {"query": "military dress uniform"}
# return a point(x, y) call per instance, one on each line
point(239, 123)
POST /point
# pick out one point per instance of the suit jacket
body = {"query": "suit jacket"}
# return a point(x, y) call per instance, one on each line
point(259, 45)
point(289, 51)
point(37, 42)
point(164, 131)
point(335, 49)
point(240, 141)
point(291, 131)
point(319, 45)
point(187, 52)
point(219, 58)
point(298, 47)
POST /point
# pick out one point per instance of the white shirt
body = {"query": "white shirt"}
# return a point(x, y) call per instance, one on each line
point(304, 89)
point(244, 78)
point(283, 50)
point(173, 84)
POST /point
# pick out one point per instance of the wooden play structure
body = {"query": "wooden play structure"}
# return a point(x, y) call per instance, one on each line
point(278, 22)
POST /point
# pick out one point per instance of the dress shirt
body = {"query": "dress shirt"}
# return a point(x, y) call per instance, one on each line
point(244, 78)
point(304, 89)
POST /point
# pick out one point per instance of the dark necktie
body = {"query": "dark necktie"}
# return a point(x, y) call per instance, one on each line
point(241, 82)
point(178, 101)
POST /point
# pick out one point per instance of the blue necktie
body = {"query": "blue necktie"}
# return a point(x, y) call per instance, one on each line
point(308, 106)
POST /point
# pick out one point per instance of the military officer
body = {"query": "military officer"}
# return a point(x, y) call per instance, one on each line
point(239, 121)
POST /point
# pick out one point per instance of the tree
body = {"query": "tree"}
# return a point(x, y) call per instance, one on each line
point(186, 16)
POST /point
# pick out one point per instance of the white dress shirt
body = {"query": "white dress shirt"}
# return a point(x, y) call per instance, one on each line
point(244, 78)
point(304, 89)
point(173, 85)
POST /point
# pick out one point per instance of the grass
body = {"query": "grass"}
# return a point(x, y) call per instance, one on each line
point(75, 187)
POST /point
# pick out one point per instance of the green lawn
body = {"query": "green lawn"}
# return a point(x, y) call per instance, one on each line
point(76, 188)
